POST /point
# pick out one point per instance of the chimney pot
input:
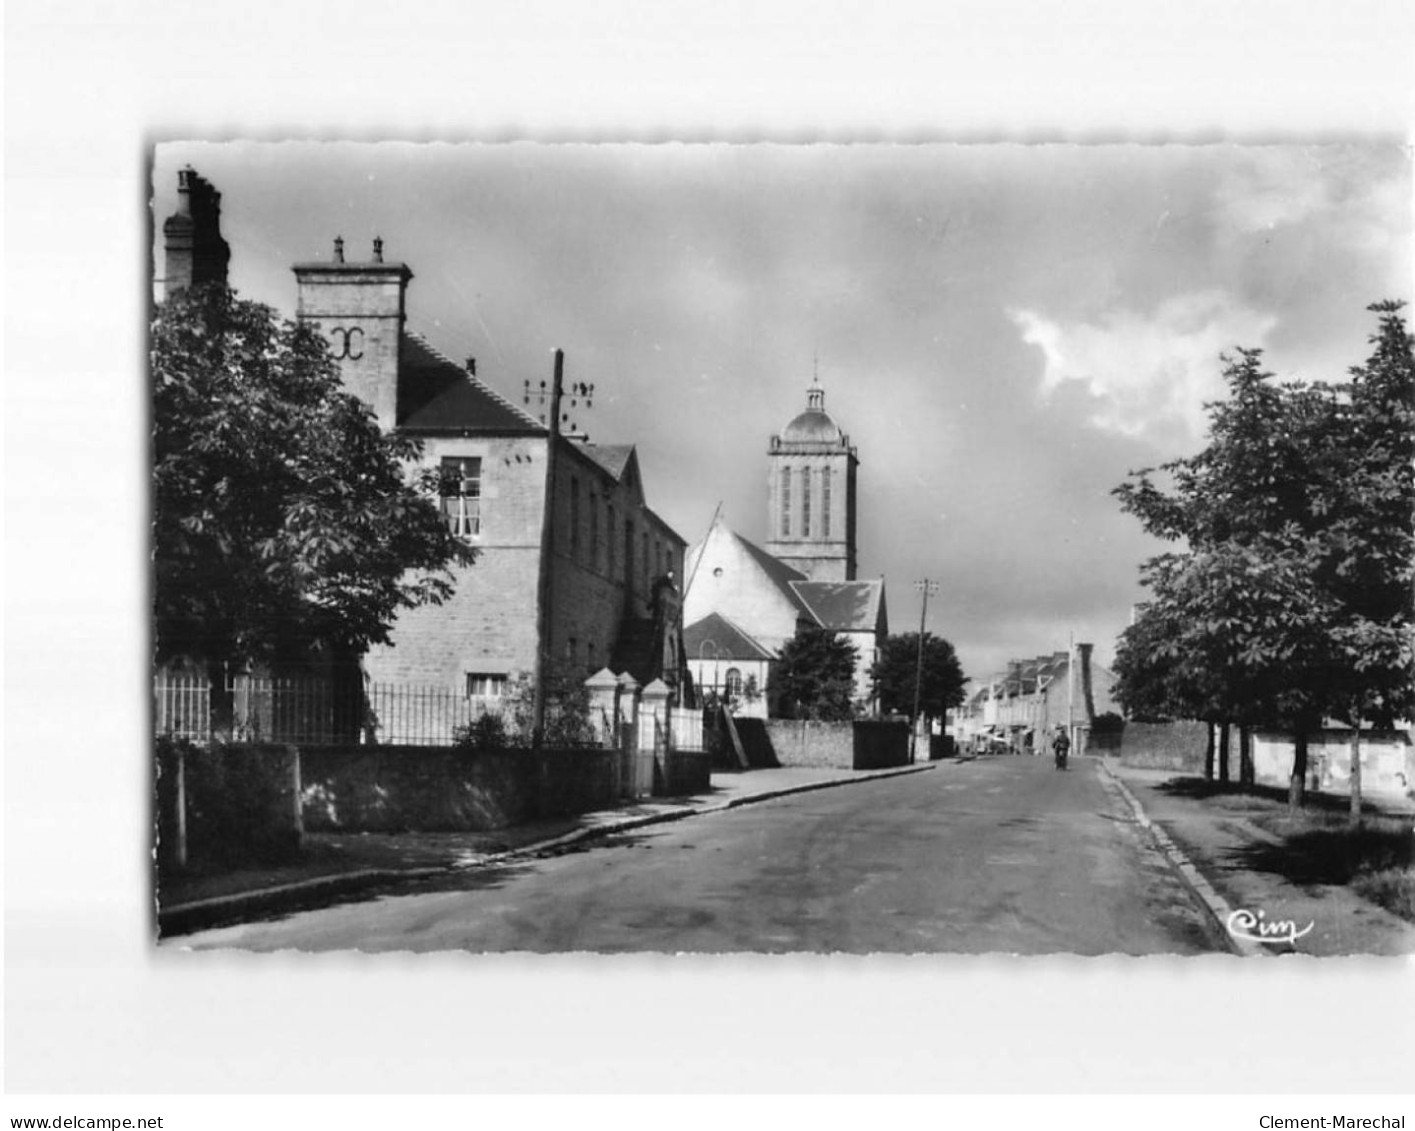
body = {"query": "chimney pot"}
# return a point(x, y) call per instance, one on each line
point(378, 249)
point(338, 249)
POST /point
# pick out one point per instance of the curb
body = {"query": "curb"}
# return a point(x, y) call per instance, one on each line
point(185, 917)
point(1215, 904)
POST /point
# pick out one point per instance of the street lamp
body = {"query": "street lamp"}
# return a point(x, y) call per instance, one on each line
point(925, 587)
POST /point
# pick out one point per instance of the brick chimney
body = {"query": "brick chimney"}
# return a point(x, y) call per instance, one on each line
point(194, 252)
point(1088, 696)
point(359, 308)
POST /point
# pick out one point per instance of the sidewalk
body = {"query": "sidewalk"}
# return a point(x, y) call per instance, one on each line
point(338, 864)
point(1231, 849)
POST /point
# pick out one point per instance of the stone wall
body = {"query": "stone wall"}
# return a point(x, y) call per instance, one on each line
point(1387, 761)
point(434, 789)
point(1167, 746)
point(240, 805)
point(799, 742)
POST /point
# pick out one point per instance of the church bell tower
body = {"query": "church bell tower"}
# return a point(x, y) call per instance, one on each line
point(811, 494)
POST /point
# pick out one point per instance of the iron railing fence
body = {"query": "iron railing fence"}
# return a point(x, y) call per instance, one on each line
point(314, 712)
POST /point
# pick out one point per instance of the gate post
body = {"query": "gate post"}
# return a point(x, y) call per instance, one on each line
point(603, 690)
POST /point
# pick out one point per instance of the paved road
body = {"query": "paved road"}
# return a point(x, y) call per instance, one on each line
point(997, 855)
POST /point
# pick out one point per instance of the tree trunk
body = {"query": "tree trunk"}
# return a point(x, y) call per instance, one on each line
point(1297, 784)
point(1223, 755)
point(1356, 770)
point(1209, 755)
point(1246, 773)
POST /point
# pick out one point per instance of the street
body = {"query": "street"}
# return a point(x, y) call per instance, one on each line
point(999, 855)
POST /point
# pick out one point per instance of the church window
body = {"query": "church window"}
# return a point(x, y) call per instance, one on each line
point(786, 502)
point(825, 502)
point(805, 502)
point(460, 479)
point(734, 683)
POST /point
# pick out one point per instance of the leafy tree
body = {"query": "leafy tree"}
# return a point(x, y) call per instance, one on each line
point(895, 674)
point(284, 520)
point(816, 676)
point(1293, 599)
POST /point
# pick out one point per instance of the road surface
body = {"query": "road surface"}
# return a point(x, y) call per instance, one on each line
point(998, 855)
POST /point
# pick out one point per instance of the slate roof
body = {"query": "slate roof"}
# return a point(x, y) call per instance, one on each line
point(435, 394)
point(731, 643)
point(843, 606)
point(614, 458)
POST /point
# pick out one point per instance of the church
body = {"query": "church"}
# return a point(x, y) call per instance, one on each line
point(743, 602)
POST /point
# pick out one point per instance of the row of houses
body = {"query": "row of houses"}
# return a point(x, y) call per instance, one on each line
point(568, 546)
point(1021, 707)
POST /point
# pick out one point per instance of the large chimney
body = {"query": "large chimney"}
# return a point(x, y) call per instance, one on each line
point(359, 308)
point(1084, 650)
point(194, 251)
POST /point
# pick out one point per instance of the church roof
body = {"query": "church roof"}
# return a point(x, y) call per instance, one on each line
point(814, 426)
point(843, 606)
point(435, 394)
point(730, 642)
point(614, 458)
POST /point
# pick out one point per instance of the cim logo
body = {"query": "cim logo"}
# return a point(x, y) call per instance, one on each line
point(1244, 924)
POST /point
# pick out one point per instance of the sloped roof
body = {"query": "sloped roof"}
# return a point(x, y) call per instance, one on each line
point(843, 606)
point(730, 642)
point(778, 572)
point(614, 458)
point(435, 394)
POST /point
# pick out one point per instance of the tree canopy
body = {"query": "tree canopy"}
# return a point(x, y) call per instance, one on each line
point(815, 676)
point(1292, 597)
point(284, 519)
point(895, 672)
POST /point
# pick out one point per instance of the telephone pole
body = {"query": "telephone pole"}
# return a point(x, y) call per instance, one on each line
point(547, 536)
point(925, 587)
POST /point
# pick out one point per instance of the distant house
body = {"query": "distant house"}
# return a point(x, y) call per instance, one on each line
point(612, 561)
point(805, 578)
point(1019, 708)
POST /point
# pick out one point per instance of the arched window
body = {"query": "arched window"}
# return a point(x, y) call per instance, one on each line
point(734, 683)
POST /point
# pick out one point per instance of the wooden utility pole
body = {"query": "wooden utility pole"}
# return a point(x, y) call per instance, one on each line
point(547, 546)
point(925, 587)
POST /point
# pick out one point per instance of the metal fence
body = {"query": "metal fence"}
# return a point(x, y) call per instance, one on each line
point(314, 712)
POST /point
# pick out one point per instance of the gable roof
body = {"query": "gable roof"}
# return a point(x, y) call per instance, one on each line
point(843, 606)
point(730, 642)
point(435, 394)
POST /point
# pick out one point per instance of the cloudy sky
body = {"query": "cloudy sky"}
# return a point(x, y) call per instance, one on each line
point(1002, 330)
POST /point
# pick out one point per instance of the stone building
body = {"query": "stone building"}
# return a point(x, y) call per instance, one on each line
point(806, 575)
point(1019, 708)
point(611, 560)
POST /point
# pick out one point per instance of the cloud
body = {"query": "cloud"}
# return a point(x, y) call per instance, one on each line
point(1149, 374)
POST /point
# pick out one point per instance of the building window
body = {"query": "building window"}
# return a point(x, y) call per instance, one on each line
point(825, 502)
point(734, 683)
point(612, 567)
point(594, 531)
point(786, 502)
point(486, 685)
point(629, 553)
point(648, 565)
point(805, 502)
point(461, 494)
point(574, 520)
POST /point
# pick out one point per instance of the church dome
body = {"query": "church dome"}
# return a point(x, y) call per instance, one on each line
point(812, 426)
point(815, 425)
